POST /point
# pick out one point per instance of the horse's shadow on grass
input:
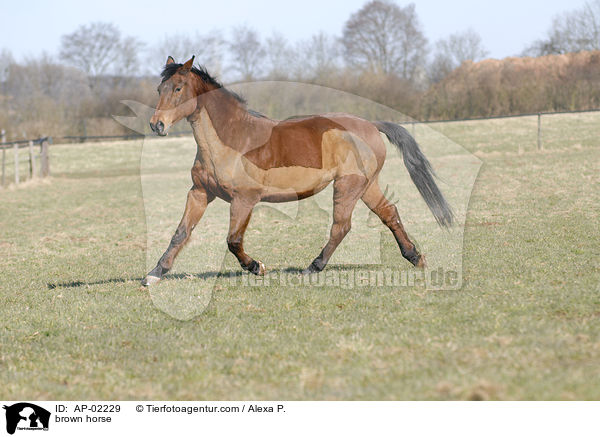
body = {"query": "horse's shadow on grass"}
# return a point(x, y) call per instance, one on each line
point(204, 275)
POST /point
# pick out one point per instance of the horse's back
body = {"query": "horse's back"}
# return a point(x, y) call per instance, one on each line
point(305, 141)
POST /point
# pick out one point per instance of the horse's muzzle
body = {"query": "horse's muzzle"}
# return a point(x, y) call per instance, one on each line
point(158, 128)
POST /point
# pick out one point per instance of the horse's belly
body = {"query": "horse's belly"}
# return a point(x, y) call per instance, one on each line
point(285, 184)
point(232, 174)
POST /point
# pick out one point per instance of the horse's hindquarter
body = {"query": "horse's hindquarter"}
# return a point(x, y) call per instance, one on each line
point(299, 158)
point(361, 136)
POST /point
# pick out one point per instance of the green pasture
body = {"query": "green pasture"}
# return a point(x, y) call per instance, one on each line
point(75, 323)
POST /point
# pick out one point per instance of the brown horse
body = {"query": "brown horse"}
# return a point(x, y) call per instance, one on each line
point(244, 157)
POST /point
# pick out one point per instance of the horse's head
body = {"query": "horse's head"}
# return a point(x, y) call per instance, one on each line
point(178, 94)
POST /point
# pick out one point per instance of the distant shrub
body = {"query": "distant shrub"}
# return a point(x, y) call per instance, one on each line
point(516, 85)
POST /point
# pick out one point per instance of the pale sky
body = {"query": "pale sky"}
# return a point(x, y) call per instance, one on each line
point(506, 27)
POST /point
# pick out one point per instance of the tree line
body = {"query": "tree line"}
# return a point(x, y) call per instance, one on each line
point(382, 54)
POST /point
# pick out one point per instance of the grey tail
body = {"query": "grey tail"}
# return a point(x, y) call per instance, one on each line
point(420, 171)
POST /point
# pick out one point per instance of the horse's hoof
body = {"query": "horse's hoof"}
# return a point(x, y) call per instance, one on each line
point(422, 263)
point(261, 269)
point(256, 268)
point(150, 280)
point(310, 270)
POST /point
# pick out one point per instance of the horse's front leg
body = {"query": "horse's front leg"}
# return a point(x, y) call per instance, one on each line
point(240, 212)
point(197, 200)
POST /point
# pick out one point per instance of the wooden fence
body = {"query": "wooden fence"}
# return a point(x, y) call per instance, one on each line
point(43, 169)
point(39, 162)
point(91, 138)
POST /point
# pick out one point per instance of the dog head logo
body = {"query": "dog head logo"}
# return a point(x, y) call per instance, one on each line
point(26, 416)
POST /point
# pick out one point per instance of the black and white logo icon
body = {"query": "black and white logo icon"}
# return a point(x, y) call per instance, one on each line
point(26, 416)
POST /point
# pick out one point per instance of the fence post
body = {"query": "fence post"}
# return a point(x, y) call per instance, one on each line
point(3, 165)
point(16, 151)
point(539, 136)
point(31, 161)
point(413, 128)
point(3, 140)
point(45, 165)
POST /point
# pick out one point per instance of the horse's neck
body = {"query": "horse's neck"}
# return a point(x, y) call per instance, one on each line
point(224, 123)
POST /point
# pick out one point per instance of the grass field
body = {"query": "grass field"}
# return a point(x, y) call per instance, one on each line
point(75, 324)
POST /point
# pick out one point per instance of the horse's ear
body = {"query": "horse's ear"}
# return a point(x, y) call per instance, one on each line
point(188, 65)
point(170, 60)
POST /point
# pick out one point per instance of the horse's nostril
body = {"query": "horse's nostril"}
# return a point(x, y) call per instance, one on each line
point(157, 127)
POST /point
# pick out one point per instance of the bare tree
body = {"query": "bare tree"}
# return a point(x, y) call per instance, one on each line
point(280, 55)
point(385, 38)
point(43, 76)
point(180, 46)
point(320, 56)
point(247, 52)
point(551, 45)
point(44, 96)
point(6, 59)
point(128, 56)
point(454, 50)
point(92, 48)
point(572, 31)
point(208, 48)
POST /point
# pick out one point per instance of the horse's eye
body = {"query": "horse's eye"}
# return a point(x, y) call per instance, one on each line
point(177, 89)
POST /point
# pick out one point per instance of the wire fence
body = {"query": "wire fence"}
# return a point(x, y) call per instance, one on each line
point(42, 157)
point(539, 115)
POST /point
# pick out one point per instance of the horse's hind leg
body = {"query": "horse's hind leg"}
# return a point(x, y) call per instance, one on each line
point(240, 212)
point(346, 192)
point(388, 214)
point(197, 200)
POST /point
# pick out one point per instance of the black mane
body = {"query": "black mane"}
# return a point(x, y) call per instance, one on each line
point(200, 71)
